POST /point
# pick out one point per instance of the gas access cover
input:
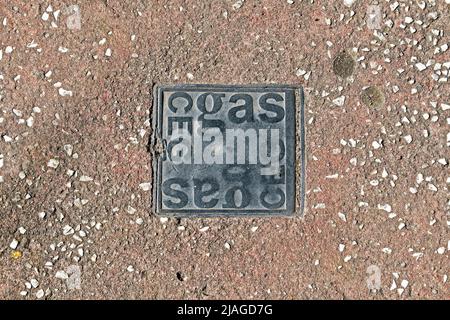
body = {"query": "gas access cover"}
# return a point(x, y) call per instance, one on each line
point(227, 150)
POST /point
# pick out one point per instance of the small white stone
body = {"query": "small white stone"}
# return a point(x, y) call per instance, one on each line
point(45, 16)
point(164, 220)
point(408, 138)
point(204, 229)
point(85, 179)
point(349, 3)
point(68, 148)
point(40, 294)
point(145, 186)
point(190, 76)
point(34, 283)
point(13, 245)
point(41, 215)
point(419, 178)
point(300, 72)
point(386, 207)
point(67, 230)
point(307, 75)
point(108, 52)
point(61, 274)
point(445, 106)
point(422, 5)
point(237, 4)
point(130, 268)
point(404, 283)
point(441, 250)
point(342, 216)
point(53, 163)
point(62, 92)
point(30, 122)
point(376, 145)
point(417, 255)
point(393, 285)
point(420, 66)
point(17, 112)
point(339, 101)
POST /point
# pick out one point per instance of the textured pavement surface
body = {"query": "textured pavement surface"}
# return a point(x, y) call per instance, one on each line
point(75, 175)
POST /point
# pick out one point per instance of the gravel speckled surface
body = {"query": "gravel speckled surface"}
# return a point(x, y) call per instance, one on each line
point(75, 178)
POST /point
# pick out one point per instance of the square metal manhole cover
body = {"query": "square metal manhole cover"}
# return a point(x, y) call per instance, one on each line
point(224, 150)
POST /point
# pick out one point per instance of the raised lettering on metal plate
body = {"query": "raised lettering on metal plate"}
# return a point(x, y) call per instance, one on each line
point(228, 150)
